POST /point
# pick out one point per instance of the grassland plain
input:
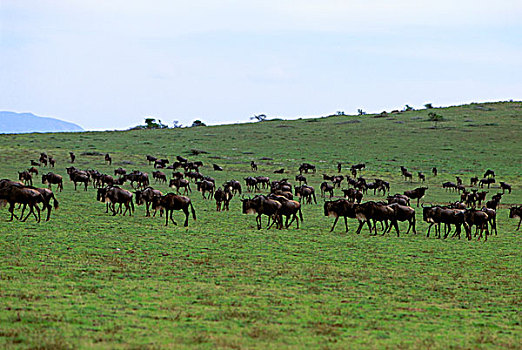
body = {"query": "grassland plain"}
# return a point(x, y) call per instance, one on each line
point(90, 280)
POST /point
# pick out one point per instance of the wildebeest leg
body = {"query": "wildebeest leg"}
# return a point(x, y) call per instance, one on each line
point(171, 218)
point(186, 211)
point(518, 228)
point(429, 228)
point(335, 222)
point(74, 185)
point(361, 224)
point(396, 226)
point(147, 204)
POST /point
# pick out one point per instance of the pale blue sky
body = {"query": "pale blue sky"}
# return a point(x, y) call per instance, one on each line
point(109, 64)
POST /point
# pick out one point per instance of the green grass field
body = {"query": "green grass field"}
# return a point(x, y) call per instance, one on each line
point(86, 279)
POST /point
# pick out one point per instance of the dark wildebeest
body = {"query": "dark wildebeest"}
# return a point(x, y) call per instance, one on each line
point(180, 183)
point(142, 179)
point(459, 180)
point(263, 180)
point(492, 219)
point(305, 167)
point(338, 208)
point(353, 195)
point(205, 186)
point(43, 159)
point(33, 163)
point(473, 182)
point(421, 176)
point(337, 180)
point(53, 179)
point(289, 208)
point(160, 163)
point(253, 165)
point(339, 167)
point(52, 162)
point(279, 171)
point(301, 178)
point(233, 186)
point(113, 195)
point(477, 218)
point(194, 176)
point(47, 195)
point(449, 185)
point(120, 171)
point(151, 159)
point(33, 170)
point(159, 176)
point(171, 202)
point(417, 193)
point(434, 171)
point(376, 211)
point(399, 199)
point(489, 173)
point(481, 196)
point(505, 186)
point(261, 205)
point(79, 176)
point(105, 180)
point(251, 183)
point(305, 192)
point(14, 193)
point(516, 212)
point(222, 197)
point(407, 175)
point(73, 157)
point(486, 181)
point(147, 196)
point(402, 213)
point(326, 187)
point(108, 159)
point(181, 159)
point(26, 177)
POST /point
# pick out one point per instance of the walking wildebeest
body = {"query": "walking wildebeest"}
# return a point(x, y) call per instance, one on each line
point(253, 165)
point(486, 181)
point(516, 212)
point(338, 208)
point(33, 171)
point(120, 171)
point(305, 167)
point(114, 195)
point(489, 173)
point(326, 187)
point(473, 182)
point(159, 176)
point(305, 192)
point(261, 205)
point(53, 179)
point(108, 159)
point(73, 157)
point(289, 208)
point(233, 185)
point(14, 193)
point(222, 197)
point(417, 193)
point(421, 176)
point(204, 187)
point(147, 196)
point(26, 177)
point(171, 202)
point(505, 186)
point(52, 162)
point(151, 159)
point(301, 178)
point(180, 183)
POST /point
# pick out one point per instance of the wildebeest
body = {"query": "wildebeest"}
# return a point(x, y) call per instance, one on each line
point(113, 195)
point(417, 193)
point(289, 209)
point(180, 183)
point(33, 171)
point(407, 175)
point(108, 159)
point(486, 181)
point(492, 219)
point(147, 196)
point(516, 212)
point(253, 166)
point(353, 195)
point(222, 197)
point(160, 163)
point(399, 199)
point(301, 178)
point(261, 205)
point(142, 179)
point(264, 181)
point(79, 176)
point(279, 171)
point(505, 186)
point(449, 185)
point(14, 193)
point(181, 159)
point(53, 179)
point(233, 186)
point(489, 173)
point(402, 213)
point(120, 171)
point(306, 167)
point(26, 177)
point(326, 187)
point(151, 159)
point(434, 171)
point(205, 186)
point(159, 176)
point(473, 182)
point(33, 163)
point(421, 176)
point(171, 202)
point(339, 167)
point(251, 183)
point(72, 156)
point(305, 192)
point(338, 208)
point(374, 211)
point(43, 159)
point(52, 162)
point(476, 218)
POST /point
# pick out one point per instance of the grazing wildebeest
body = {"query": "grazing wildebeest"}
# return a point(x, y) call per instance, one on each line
point(113, 195)
point(353, 195)
point(14, 193)
point(205, 186)
point(279, 171)
point(33, 171)
point(338, 208)
point(505, 186)
point(79, 176)
point(479, 219)
point(449, 185)
point(33, 163)
point(26, 177)
point(253, 165)
point(120, 171)
point(289, 208)
point(301, 178)
point(142, 179)
point(489, 173)
point(73, 157)
point(160, 163)
point(194, 176)
point(181, 159)
point(459, 180)
point(261, 205)
point(402, 213)
point(337, 180)
point(263, 180)
point(326, 187)
point(421, 176)
point(473, 182)
point(305, 192)
point(434, 171)
point(105, 180)
point(407, 175)
point(251, 183)
point(233, 186)
point(486, 181)
point(159, 176)
point(151, 159)
point(171, 202)
point(305, 167)
point(376, 211)
point(516, 212)
point(417, 193)
point(147, 196)
point(53, 179)
point(399, 199)
point(180, 183)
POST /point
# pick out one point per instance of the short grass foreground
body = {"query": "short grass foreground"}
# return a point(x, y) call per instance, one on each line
point(89, 279)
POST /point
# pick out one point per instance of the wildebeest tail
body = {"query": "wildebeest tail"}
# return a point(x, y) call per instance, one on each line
point(55, 202)
point(193, 211)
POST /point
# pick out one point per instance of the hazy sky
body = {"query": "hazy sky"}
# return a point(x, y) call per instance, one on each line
point(109, 64)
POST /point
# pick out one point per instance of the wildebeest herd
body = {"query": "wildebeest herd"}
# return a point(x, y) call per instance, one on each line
point(277, 202)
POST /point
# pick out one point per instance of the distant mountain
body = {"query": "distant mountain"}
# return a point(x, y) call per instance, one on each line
point(11, 122)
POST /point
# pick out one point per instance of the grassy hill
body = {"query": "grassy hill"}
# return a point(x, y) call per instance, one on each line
point(88, 279)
